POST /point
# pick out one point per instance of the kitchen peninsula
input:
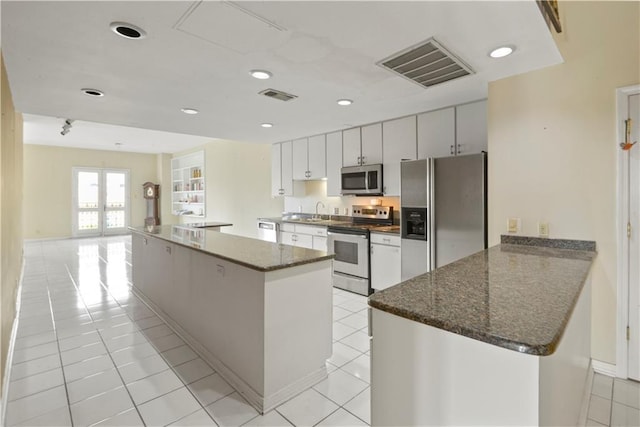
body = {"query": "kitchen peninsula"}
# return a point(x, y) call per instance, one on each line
point(259, 312)
point(501, 337)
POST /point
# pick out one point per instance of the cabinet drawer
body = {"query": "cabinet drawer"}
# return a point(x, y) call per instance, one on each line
point(312, 230)
point(285, 226)
point(385, 239)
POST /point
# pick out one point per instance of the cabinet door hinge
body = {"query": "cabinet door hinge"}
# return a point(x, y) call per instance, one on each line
point(628, 334)
point(628, 230)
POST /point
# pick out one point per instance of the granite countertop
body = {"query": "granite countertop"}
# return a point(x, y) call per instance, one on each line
point(518, 295)
point(252, 253)
point(208, 224)
point(334, 220)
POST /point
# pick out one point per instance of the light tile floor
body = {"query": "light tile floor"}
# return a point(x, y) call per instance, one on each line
point(614, 402)
point(89, 352)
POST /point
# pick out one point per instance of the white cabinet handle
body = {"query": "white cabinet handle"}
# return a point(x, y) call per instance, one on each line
point(145, 241)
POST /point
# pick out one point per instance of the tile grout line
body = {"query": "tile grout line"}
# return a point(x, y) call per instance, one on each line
point(64, 378)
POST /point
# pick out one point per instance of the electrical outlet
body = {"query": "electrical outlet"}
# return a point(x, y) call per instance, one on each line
point(543, 229)
point(513, 225)
point(336, 211)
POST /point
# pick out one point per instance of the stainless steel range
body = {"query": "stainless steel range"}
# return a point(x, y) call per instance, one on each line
point(350, 244)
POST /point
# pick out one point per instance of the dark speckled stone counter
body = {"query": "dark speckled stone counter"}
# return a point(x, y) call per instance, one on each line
point(516, 296)
point(252, 253)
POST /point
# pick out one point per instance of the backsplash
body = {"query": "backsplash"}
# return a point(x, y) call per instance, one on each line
point(316, 191)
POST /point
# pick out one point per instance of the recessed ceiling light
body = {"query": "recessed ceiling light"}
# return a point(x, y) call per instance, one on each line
point(189, 110)
point(502, 51)
point(267, 125)
point(128, 31)
point(92, 92)
point(345, 102)
point(261, 74)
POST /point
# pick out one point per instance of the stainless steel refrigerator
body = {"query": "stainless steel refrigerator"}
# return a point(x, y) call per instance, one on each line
point(443, 207)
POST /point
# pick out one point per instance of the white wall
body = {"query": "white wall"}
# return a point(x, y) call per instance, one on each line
point(553, 144)
point(238, 185)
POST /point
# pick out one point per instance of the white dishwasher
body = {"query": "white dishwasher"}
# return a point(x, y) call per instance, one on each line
point(268, 230)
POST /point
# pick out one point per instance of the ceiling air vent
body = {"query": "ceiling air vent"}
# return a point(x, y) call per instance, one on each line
point(427, 64)
point(277, 94)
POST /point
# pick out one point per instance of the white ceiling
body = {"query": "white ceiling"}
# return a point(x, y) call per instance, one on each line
point(45, 130)
point(198, 54)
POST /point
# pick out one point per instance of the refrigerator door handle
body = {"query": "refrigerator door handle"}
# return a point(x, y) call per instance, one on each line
point(431, 217)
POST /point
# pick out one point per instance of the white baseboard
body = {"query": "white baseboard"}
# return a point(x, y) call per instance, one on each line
point(603, 368)
point(12, 341)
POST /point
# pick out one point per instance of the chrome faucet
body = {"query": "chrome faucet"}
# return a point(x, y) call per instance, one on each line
point(319, 203)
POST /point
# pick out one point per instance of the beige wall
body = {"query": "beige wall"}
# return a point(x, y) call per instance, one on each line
point(10, 213)
point(48, 182)
point(163, 177)
point(238, 185)
point(553, 145)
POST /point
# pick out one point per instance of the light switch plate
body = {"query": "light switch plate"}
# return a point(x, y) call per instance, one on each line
point(513, 225)
point(543, 229)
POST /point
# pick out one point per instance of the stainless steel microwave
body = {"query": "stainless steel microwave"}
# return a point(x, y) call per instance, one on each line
point(363, 180)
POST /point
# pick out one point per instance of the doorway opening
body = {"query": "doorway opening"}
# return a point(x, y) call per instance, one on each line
point(100, 201)
point(628, 336)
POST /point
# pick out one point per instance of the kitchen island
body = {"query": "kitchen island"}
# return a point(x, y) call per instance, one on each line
point(501, 337)
point(259, 312)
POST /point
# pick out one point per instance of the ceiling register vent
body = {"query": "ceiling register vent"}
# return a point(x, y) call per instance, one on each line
point(427, 64)
point(277, 94)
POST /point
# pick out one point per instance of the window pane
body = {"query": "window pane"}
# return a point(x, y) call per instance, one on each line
point(87, 190)
point(115, 219)
point(115, 190)
point(88, 220)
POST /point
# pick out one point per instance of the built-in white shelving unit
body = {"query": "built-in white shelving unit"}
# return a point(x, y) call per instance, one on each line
point(188, 185)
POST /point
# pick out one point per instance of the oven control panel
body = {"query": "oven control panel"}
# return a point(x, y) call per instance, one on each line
point(372, 212)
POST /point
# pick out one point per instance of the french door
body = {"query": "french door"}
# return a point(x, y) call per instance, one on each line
point(100, 202)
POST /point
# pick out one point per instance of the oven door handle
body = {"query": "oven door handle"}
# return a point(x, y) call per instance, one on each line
point(331, 233)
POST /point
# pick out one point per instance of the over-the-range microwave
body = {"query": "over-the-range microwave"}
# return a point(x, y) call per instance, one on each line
point(363, 180)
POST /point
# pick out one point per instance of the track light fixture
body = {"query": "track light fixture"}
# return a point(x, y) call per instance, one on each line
point(66, 127)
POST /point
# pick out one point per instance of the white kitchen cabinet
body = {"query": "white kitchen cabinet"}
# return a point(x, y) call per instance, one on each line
point(437, 133)
point(296, 239)
point(282, 171)
point(398, 143)
point(309, 158)
point(334, 163)
point(385, 260)
point(320, 243)
point(351, 147)
point(371, 144)
point(362, 146)
point(471, 128)
point(300, 155)
point(304, 236)
point(317, 149)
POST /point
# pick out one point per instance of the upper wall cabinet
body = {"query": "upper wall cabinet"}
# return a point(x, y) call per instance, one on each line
point(317, 149)
point(362, 146)
point(399, 143)
point(282, 171)
point(471, 128)
point(334, 163)
point(351, 151)
point(309, 158)
point(437, 133)
point(371, 144)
